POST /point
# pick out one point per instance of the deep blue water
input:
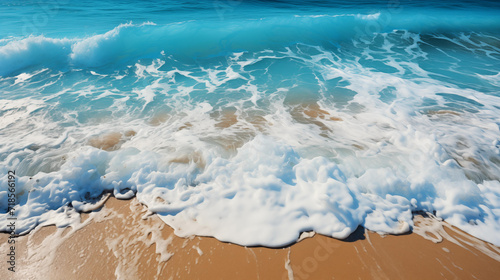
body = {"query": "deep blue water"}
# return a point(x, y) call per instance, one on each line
point(67, 18)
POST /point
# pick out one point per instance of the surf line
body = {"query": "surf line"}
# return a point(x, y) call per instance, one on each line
point(11, 220)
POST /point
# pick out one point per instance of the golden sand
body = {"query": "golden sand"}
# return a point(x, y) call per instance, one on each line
point(195, 157)
point(159, 118)
point(111, 141)
point(311, 113)
point(226, 118)
point(124, 241)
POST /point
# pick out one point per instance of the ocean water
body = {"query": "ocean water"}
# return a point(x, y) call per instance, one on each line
point(253, 121)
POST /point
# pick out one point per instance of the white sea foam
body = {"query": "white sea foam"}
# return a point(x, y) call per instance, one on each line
point(244, 152)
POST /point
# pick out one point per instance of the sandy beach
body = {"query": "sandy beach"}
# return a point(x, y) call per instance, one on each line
point(234, 139)
point(123, 241)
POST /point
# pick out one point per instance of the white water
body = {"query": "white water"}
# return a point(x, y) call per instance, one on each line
point(233, 150)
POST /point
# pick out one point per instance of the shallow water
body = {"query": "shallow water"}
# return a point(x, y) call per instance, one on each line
point(254, 121)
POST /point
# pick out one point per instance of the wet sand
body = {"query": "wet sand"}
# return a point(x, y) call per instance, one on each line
point(123, 241)
point(111, 141)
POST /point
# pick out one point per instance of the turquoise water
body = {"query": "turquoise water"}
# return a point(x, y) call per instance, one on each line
point(253, 121)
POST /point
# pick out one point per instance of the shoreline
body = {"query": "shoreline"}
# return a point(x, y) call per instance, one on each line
point(121, 240)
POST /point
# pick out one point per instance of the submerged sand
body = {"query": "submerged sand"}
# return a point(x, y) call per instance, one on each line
point(123, 241)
